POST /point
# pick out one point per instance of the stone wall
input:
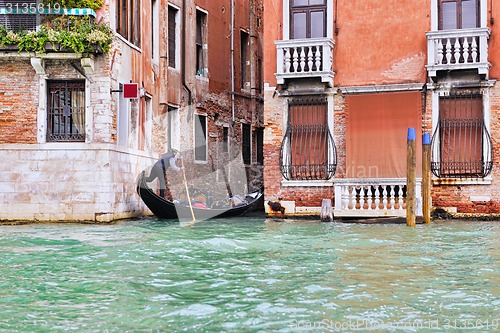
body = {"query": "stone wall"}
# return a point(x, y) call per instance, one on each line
point(69, 182)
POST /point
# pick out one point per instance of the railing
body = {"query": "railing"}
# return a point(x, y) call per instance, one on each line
point(372, 197)
point(458, 49)
point(305, 58)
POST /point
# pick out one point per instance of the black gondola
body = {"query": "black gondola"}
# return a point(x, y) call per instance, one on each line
point(169, 210)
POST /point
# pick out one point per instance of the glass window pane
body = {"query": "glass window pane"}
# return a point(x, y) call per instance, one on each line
point(299, 3)
point(469, 14)
point(316, 2)
point(449, 15)
point(299, 25)
point(317, 24)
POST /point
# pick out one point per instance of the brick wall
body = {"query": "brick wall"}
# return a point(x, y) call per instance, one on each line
point(18, 102)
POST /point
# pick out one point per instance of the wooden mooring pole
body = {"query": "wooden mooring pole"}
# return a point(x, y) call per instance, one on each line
point(326, 211)
point(426, 178)
point(411, 177)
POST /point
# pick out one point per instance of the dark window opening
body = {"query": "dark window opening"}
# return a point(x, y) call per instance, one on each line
point(172, 36)
point(246, 142)
point(200, 138)
point(259, 132)
point(201, 19)
point(245, 60)
point(128, 20)
point(225, 139)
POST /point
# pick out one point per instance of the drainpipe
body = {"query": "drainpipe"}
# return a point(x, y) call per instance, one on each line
point(232, 64)
point(183, 50)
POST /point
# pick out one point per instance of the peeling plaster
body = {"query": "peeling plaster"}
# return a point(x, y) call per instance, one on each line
point(406, 69)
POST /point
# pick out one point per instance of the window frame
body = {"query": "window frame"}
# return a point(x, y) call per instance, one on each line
point(52, 115)
point(459, 16)
point(295, 172)
point(128, 21)
point(173, 42)
point(200, 42)
point(308, 9)
point(246, 143)
point(487, 149)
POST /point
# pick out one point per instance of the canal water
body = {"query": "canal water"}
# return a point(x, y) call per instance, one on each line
point(250, 275)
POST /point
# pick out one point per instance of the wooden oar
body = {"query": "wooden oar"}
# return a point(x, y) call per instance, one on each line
point(187, 190)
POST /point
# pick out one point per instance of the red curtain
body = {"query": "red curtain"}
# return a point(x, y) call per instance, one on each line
point(376, 133)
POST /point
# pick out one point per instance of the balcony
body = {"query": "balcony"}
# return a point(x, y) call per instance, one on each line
point(305, 58)
point(373, 197)
point(458, 50)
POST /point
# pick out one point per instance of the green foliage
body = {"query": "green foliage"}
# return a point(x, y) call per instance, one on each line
point(63, 32)
point(81, 37)
point(92, 4)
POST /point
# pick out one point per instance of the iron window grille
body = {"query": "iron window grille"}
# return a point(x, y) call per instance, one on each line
point(65, 111)
point(308, 150)
point(461, 144)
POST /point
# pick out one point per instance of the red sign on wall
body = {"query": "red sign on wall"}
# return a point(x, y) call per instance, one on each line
point(130, 90)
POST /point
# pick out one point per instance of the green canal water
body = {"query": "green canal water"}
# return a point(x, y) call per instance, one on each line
point(250, 275)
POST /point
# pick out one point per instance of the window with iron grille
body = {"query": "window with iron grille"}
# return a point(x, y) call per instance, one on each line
point(308, 151)
point(458, 14)
point(246, 142)
point(65, 111)
point(461, 144)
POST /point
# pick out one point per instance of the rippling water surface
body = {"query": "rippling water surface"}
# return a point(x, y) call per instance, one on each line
point(250, 275)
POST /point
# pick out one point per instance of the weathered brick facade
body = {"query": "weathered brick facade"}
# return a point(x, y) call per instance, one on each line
point(95, 179)
point(373, 59)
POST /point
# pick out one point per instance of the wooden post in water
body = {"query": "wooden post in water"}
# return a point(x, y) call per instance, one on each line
point(411, 177)
point(426, 178)
point(326, 210)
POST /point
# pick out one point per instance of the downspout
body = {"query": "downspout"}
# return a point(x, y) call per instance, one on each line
point(232, 65)
point(183, 56)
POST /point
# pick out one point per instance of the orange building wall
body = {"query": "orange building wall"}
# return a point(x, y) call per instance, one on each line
point(381, 42)
point(494, 42)
point(273, 30)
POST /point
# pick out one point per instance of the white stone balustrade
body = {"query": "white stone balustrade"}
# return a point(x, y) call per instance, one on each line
point(458, 49)
point(305, 58)
point(372, 197)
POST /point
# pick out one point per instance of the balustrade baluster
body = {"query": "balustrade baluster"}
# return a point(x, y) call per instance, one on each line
point(302, 59)
point(369, 197)
point(287, 60)
point(362, 197)
point(345, 197)
point(440, 52)
point(295, 59)
point(400, 197)
point(392, 197)
point(377, 198)
point(466, 50)
point(457, 50)
point(384, 197)
point(318, 58)
point(474, 50)
point(310, 58)
point(448, 51)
